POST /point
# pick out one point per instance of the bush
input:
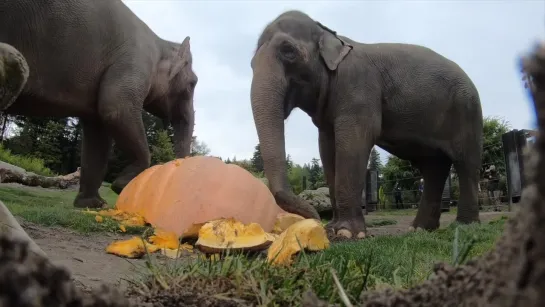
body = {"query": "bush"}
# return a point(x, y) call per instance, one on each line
point(30, 164)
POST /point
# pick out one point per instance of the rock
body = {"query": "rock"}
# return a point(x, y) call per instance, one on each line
point(318, 198)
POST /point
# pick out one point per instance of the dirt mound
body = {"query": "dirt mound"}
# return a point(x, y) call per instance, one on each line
point(28, 280)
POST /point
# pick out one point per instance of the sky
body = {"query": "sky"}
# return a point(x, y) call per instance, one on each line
point(486, 38)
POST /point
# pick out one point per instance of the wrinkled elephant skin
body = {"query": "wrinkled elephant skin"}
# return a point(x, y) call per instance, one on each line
point(404, 98)
point(13, 74)
point(99, 62)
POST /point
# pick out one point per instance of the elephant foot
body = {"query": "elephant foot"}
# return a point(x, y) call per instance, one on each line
point(468, 218)
point(296, 205)
point(424, 224)
point(353, 228)
point(412, 229)
point(94, 202)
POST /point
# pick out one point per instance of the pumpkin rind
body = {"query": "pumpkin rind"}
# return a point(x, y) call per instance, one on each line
point(195, 190)
point(228, 234)
point(308, 234)
point(285, 220)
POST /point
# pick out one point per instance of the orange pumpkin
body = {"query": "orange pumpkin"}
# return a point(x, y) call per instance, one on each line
point(175, 195)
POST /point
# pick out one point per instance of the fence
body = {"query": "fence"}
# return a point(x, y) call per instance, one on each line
point(500, 184)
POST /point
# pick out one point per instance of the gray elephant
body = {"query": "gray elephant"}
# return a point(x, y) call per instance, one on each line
point(13, 74)
point(96, 60)
point(407, 99)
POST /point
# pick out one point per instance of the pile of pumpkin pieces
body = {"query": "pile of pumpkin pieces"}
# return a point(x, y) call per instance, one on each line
point(290, 235)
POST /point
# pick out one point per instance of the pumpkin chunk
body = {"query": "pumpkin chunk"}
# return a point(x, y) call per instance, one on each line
point(132, 248)
point(177, 252)
point(164, 239)
point(192, 232)
point(218, 235)
point(124, 218)
point(285, 220)
point(309, 233)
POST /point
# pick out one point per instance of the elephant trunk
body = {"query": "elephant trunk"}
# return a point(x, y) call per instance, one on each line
point(183, 133)
point(267, 96)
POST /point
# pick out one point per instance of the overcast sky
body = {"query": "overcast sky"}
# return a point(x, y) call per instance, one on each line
point(485, 38)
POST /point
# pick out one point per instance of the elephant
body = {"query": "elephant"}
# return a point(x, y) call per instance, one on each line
point(97, 61)
point(13, 74)
point(404, 98)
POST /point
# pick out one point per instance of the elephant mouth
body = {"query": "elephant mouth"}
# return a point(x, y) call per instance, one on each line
point(290, 99)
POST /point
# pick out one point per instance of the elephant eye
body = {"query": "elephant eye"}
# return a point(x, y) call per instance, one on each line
point(288, 51)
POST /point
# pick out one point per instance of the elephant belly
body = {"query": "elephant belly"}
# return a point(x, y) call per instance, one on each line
point(411, 147)
point(41, 107)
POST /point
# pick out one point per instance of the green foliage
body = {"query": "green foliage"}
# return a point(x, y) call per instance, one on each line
point(30, 164)
point(316, 177)
point(289, 163)
point(162, 151)
point(295, 177)
point(53, 140)
point(493, 129)
point(199, 148)
point(374, 160)
point(398, 170)
point(257, 160)
point(54, 208)
point(381, 196)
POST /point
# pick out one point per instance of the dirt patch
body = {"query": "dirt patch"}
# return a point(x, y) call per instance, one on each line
point(404, 221)
point(84, 254)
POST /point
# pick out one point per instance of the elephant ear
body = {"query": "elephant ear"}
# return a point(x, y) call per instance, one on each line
point(332, 49)
point(181, 59)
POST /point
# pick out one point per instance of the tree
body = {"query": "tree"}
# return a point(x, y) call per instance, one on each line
point(374, 160)
point(493, 129)
point(257, 160)
point(289, 163)
point(198, 148)
point(162, 151)
point(316, 174)
point(400, 170)
point(295, 178)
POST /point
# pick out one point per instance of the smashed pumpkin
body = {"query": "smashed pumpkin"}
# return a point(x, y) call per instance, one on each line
point(308, 234)
point(132, 248)
point(221, 235)
point(285, 220)
point(175, 195)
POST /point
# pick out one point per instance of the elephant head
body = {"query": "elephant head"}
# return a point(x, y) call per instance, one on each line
point(294, 58)
point(173, 95)
point(13, 74)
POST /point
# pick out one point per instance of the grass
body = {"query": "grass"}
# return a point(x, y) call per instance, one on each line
point(385, 261)
point(30, 164)
point(388, 261)
point(54, 208)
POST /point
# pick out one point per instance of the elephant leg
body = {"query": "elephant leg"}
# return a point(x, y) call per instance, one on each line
point(326, 141)
point(354, 139)
point(120, 109)
point(96, 148)
point(468, 205)
point(435, 173)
